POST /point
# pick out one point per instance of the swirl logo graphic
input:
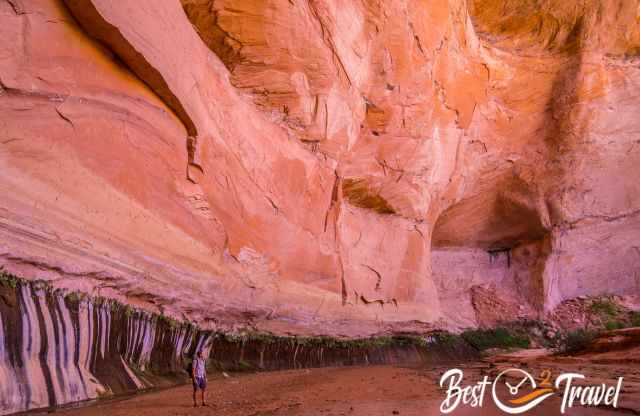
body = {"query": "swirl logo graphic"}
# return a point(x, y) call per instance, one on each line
point(523, 394)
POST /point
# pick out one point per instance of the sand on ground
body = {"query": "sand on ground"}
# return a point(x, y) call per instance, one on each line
point(351, 391)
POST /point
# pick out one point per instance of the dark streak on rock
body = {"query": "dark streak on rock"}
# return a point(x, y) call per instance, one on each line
point(379, 280)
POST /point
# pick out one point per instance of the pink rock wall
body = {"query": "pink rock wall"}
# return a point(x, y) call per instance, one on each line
point(321, 166)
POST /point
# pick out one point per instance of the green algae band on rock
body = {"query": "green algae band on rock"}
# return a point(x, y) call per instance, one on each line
point(57, 349)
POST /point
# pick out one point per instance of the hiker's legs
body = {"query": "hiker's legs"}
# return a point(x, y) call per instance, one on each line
point(203, 390)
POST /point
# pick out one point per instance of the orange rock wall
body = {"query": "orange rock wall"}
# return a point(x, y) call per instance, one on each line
point(338, 167)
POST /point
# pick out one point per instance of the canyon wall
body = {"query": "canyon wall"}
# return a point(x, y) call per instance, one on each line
point(58, 348)
point(322, 167)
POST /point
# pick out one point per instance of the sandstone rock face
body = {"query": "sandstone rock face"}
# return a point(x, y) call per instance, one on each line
point(58, 348)
point(336, 167)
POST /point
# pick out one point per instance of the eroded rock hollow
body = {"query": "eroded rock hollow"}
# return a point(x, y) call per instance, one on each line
point(322, 167)
point(57, 349)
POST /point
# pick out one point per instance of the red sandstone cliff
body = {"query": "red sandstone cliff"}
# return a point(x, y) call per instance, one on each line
point(342, 167)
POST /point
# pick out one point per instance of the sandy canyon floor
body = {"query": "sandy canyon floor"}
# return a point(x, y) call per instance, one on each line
point(375, 390)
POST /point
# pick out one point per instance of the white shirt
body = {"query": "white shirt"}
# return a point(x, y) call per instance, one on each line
point(199, 367)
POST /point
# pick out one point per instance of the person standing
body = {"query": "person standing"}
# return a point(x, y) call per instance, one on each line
point(199, 377)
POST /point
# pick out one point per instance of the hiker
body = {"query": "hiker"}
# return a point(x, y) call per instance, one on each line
point(199, 377)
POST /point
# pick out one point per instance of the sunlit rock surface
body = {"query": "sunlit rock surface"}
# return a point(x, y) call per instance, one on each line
point(342, 168)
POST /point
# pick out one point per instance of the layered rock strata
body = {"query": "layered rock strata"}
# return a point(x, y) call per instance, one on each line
point(58, 348)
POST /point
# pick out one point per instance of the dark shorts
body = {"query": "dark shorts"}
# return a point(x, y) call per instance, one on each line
point(199, 383)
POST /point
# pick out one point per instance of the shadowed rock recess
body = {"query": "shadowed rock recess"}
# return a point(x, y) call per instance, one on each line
point(58, 348)
point(313, 167)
